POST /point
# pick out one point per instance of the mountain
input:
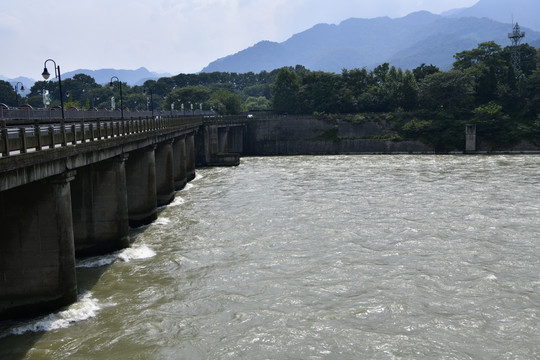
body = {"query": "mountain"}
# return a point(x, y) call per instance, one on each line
point(102, 76)
point(131, 77)
point(406, 42)
point(524, 12)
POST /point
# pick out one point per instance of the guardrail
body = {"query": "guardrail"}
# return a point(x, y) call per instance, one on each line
point(38, 135)
point(56, 114)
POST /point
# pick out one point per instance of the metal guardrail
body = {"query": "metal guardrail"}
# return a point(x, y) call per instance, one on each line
point(56, 114)
point(41, 135)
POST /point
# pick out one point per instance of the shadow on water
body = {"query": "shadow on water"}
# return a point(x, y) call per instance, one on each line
point(19, 337)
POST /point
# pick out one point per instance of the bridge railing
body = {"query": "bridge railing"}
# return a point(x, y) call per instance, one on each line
point(38, 135)
point(72, 113)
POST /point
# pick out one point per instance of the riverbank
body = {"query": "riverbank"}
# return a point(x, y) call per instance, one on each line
point(271, 135)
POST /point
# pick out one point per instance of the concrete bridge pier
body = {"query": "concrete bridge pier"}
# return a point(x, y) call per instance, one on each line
point(235, 140)
point(223, 140)
point(141, 186)
point(179, 156)
point(164, 173)
point(37, 255)
point(100, 210)
point(190, 157)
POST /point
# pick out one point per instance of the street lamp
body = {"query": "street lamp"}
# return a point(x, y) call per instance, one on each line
point(151, 100)
point(111, 86)
point(46, 75)
point(16, 87)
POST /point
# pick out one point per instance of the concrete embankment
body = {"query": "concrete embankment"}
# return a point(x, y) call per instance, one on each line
point(309, 135)
point(373, 134)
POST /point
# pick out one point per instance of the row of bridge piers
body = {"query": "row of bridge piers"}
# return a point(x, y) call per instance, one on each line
point(88, 211)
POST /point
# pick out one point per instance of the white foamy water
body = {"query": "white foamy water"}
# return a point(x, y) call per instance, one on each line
point(178, 200)
point(136, 253)
point(86, 307)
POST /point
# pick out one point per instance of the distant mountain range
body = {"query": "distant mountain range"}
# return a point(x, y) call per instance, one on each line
point(407, 42)
point(102, 76)
point(525, 12)
point(131, 77)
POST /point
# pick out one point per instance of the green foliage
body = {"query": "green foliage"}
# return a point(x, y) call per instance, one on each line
point(7, 93)
point(481, 88)
point(359, 119)
point(424, 70)
point(226, 102)
point(494, 126)
point(188, 95)
point(330, 134)
point(445, 90)
point(257, 103)
point(285, 91)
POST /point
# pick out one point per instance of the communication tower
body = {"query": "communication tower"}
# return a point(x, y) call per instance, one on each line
point(515, 36)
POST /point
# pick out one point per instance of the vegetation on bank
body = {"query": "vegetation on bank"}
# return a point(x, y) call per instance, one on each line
point(425, 103)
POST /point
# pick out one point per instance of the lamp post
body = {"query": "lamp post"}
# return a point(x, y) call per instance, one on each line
point(151, 100)
point(16, 87)
point(46, 75)
point(111, 86)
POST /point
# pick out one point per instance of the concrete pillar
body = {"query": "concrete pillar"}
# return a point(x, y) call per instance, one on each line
point(164, 173)
point(190, 157)
point(470, 138)
point(211, 142)
point(141, 187)
point(179, 156)
point(100, 209)
point(223, 140)
point(236, 139)
point(37, 256)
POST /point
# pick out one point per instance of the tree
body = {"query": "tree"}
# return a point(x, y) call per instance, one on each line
point(257, 103)
point(424, 70)
point(226, 102)
point(284, 91)
point(494, 126)
point(446, 90)
point(7, 93)
point(320, 92)
point(408, 91)
point(187, 95)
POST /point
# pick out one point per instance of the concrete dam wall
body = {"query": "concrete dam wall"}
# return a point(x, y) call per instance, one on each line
point(310, 135)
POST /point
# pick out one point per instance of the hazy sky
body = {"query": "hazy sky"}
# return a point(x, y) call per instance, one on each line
point(166, 35)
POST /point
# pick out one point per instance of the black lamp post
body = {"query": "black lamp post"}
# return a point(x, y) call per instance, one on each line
point(111, 85)
point(151, 100)
point(16, 87)
point(46, 75)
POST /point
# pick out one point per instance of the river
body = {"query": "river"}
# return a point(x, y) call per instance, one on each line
point(331, 257)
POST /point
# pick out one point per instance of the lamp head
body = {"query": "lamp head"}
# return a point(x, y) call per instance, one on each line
point(45, 73)
point(111, 85)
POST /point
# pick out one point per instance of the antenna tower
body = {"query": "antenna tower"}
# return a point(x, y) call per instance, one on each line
point(516, 36)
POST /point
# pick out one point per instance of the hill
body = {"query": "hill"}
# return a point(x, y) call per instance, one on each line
point(525, 12)
point(405, 42)
point(131, 77)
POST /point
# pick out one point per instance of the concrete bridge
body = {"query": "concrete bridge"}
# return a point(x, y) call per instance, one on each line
point(74, 188)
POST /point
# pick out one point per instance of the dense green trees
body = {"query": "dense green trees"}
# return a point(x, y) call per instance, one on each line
point(482, 87)
point(7, 93)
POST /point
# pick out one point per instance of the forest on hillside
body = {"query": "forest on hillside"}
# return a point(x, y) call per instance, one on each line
point(483, 87)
